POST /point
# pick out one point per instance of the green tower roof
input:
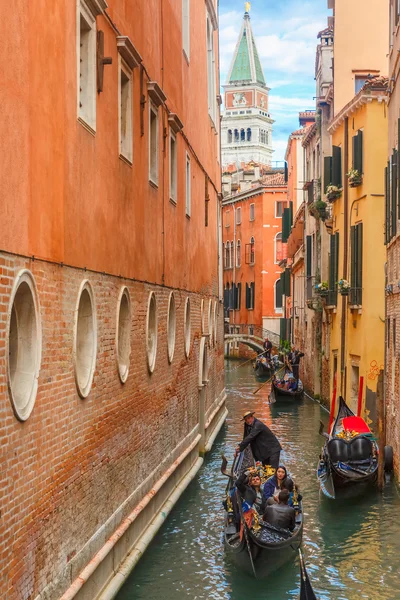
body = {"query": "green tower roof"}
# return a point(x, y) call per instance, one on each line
point(246, 65)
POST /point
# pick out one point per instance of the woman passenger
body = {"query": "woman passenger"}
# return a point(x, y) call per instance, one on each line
point(274, 484)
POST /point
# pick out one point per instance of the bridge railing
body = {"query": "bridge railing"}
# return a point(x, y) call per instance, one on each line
point(252, 330)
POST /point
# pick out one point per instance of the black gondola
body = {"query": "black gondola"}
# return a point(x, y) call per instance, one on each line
point(264, 367)
point(349, 458)
point(286, 394)
point(263, 548)
point(306, 591)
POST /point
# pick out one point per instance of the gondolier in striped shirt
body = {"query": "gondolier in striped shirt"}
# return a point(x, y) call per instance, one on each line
point(264, 444)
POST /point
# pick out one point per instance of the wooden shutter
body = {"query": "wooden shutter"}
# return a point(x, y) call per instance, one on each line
point(247, 295)
point(327, 172)
point(353, 263)
point(285, 225)
point(278, 294)
point(282, 329)
point(387, 205)
point(290, 215)
point(282, 278)
point(337, 166)
point(286, 172)
point(287, 282)
point(308, 256)
point(333, 269)
point(358, 152)
point(393, 191)
point(226, 298)
point(239, 295)
point(359, 265)
point(252, 291)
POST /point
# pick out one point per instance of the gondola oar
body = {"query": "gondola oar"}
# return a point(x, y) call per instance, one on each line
point(306, 591)
point(269, 380)
point(246, 537)
point(247, 361)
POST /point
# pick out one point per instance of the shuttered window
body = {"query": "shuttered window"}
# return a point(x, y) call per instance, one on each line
point(287, 221)
point(308, 256)
point(250, 290)
point(282, 280)
point(278, 294)
point(237, 296)
point(387, 204)
point(337, 166)
point(327, 172)
point(358, 152)
point(287, 282)
point(393, 193)
point(356, 245)
point(333, 269)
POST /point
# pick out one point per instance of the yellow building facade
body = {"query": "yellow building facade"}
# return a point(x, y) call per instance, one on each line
point(356, 302)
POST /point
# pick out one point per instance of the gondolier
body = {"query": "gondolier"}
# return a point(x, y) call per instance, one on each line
point(294, 360)
point(264, 444)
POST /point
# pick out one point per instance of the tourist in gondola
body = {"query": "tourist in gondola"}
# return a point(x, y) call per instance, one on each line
point(280, 514)
point(264, 444)
point(249, 486)
point(274, 484)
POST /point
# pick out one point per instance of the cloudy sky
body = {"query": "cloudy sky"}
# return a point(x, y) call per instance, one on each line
point(286, 37)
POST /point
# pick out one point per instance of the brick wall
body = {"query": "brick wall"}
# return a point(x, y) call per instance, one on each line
point(74, 462)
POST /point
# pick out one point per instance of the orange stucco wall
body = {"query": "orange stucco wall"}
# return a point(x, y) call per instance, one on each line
point(66, 194)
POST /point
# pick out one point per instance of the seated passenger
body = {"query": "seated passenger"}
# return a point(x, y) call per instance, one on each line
point(281, 515)
point(273, 485)
point(292, 385)
point(289, 485)
point(249, 486)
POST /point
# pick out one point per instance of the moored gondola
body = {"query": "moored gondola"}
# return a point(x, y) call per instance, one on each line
point(349, 458)
point(306, 591)
point(261, 548)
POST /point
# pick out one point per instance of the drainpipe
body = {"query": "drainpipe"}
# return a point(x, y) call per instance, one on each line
point(345, 255)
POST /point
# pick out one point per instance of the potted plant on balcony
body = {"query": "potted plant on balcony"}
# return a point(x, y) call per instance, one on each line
point(355, 178)
point(344, 287)
point(322, 288)
point(318, 209)
point(333, 192)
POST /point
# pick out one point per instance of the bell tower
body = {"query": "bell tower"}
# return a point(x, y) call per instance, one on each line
point(246, 128)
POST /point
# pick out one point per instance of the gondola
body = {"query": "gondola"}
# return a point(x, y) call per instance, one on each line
point(261, 549)
point(287, 394)
point(349, 458)
point(306, 591)
point(264, 367)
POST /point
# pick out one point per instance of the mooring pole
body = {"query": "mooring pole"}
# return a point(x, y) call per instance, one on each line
point(381, 431)
point(333, 404)
point(360, 395)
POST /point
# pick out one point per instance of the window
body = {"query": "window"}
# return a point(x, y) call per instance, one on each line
point(242, 135)
point(232, 255)
point(173, 173)
point(359, 81)
point(238, 216)
point(278, 296)
point(24, 344)
point(153, 143)
point(85, 340)
point(86, 56)
point(227, 218)
point(227, 260)
point(236, 134)
point(248, 134)
point(238, 254)
point(229, 136)
point(125, 107)
point(279, 206)
point(333, 269)
point(188, 187)
point(251, 218)
point(278, 248)
point(237, 293)
point(250, 296)
point(212, 98)
point(358, 152)
point(171, 327)
point(186, 27)
point(252, 252)
point(123, 340)
point(187, 327)
point(337, 166)
point(151, 332)
point(356, 249)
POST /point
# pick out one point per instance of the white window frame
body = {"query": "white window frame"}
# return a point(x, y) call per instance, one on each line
point(276, 208)
point(239, 215)
point(238, 254)
point(86, 112)
point(173, 167)
point(188, 186)
point(227, 218)
point(275, 244)
point(125, 141)
point(252, 212)
point(278, 310)
point(153, 177)
point(252, 252)
point(186, 28)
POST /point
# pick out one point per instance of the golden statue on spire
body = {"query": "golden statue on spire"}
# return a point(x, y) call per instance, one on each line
point(247, 6)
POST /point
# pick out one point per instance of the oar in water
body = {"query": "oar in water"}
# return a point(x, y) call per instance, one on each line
point(247, 361)
point(270, 379)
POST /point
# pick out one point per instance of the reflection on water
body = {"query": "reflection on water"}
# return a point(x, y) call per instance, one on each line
point(352, 548)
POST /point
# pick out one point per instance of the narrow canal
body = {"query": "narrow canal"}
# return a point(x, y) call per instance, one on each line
point(352, 549)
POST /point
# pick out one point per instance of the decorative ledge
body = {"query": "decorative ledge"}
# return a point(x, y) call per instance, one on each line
point(356, 308)
point(128, 51)
point(156, 94)
point(96, 7)
point(175, 123)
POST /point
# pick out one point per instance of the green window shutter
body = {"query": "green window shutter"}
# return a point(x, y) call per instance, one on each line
point(285, 225)
point(360, 151)
point(287, 282)
point(327, 172)
point(290, 215)
point(286, 172)
point(359, 265)
point(239, 295)
point(282, 329)
point(336, 264)
point(278, 294)
point(354, 147)
point(398, 166)
point(247, 295)
point(337, 166)
point(308, 255)
point(393, 190)
point(282, 278)
point(353, 263)
point(333, 269)
point(387, 203)
point(252, 293)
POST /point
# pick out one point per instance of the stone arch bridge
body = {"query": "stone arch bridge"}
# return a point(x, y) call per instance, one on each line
point(251, 335)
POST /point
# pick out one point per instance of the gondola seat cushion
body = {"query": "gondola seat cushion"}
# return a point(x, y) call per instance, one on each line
point(338, 450)
point(360, 449)
point(355, 424)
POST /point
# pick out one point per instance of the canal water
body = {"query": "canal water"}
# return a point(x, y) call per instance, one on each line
point(352, 548)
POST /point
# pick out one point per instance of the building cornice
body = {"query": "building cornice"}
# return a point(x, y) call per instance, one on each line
point(362, 98)
point(249, 194)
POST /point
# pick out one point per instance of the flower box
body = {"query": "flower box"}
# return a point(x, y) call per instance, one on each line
point(344, 291)
point(322, 293)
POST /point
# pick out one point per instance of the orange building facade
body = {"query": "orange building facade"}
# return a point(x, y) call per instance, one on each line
point(252, 240)
point(111, 370)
